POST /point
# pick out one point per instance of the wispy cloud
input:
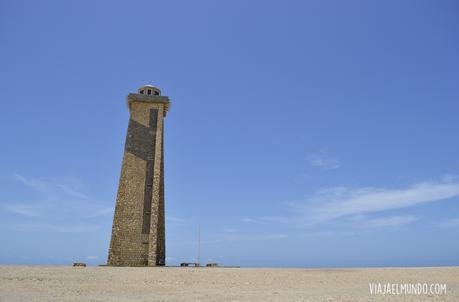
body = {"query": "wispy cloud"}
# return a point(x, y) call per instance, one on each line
point(50, 188)
point(323, 160)
point(249, 220)
point(60, 228)
point(23, 209)
point(384, 222)
point(56, 207)
point(449, 223)
point(56, 198)
point(339, 202)
point(231, 237)
point(364, 207)
point(101, 211)
point(173, 221)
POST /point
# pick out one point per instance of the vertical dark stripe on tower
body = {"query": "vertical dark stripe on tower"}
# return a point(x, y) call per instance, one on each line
point(149, 172)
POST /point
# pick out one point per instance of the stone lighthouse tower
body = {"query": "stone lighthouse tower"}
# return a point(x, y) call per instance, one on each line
point(138, 233)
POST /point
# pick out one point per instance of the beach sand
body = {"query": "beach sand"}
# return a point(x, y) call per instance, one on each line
point(60, 283)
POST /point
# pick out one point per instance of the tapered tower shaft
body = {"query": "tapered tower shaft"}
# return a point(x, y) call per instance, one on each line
point(138, 233)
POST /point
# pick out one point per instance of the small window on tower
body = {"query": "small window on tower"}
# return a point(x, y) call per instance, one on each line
point(156, 93)
point(149, 91)
point(142, 91)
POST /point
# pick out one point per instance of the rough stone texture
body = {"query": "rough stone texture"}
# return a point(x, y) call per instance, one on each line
point(138, 233)
point(156, 252)
point(126, 242)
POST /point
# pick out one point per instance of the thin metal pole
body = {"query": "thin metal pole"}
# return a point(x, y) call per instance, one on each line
point(199, 245)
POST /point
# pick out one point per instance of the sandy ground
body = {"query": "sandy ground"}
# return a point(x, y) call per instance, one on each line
point(59, 283)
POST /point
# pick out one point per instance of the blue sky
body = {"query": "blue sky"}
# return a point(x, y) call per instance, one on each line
point(301, 133)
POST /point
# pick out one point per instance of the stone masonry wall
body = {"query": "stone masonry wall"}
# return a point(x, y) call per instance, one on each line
point(138, 237)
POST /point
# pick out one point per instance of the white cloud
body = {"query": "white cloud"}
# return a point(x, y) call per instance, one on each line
point(355, 207)
point(339, 202)
point(449, 223)
point(57, 207)
point(56, 200)
point(390, 221)
point(323, 160)
point(101, 212)
point(249, 220)
point(23, 209)
point(58, 228)
point(230, 237)
point(173, 221)
point(50, 188)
